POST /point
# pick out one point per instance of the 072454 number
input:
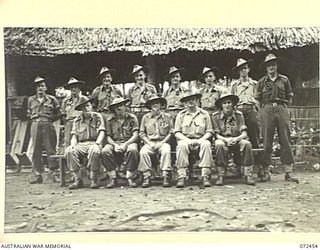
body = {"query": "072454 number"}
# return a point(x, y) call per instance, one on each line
point(310, 246)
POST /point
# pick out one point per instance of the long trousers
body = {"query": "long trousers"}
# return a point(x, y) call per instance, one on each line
point(44, 137)
point(276, 118)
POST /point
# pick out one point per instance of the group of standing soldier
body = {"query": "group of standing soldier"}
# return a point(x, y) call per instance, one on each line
point(104, 129)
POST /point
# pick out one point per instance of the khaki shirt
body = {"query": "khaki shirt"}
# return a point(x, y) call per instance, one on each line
point(173, 97)
point(156, 128)
point(105, 95)
point(245, 91)
point(68, 105)
point(209, 97)
point(48, 110)
point(193, 126)
point(139, 95)
point(121, 131)
point(277, 90)
point(228, 126)
point(88, 129)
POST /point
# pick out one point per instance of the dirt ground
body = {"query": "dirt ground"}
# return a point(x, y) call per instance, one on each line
point(277, 206)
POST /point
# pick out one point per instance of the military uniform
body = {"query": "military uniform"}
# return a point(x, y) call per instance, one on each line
point(140, 94)
point(42, 131)
point(155, 129)
point(247, 105)
point(173, 97)
point(231, 126)
point(193, 126)
point(209, 97)
point(274, 96)
point(105, 95)
point(86, 131)
point(121, 132)
point(67, 109)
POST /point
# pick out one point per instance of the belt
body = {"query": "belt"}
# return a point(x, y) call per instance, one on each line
point(275, 103)
point(246, 106)
point(39, 119)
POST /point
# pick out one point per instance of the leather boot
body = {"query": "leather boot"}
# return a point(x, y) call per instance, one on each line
point(112, 183)
point(247, 171)
point(166, 181)
point(206, 181)
point(264, 174)
point(181, 182)
point(76, 185)
point(250, 180)
point(146, 182)
point(94, 184)
point(219, 181)
point(37, 179)
point(291, 177)
point(132, 183)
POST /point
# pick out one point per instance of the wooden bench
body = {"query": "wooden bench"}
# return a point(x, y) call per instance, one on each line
point(62, 167)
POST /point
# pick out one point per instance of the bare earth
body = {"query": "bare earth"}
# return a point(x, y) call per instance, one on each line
point(277, 206)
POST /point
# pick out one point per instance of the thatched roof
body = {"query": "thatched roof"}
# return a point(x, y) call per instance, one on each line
point(151, 41)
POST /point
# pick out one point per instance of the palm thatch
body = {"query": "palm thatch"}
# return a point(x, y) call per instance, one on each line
point(151, 41)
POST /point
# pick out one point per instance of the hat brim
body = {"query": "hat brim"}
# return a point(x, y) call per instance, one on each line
point(182, 71)
point(144, 69)
point(111, 71)
point(234, 98)
point(162, 100)
point(43, 80)
point(215, 70)
point(79, 106)
point(70, 85)
point(235, 69)
point(264, 63)
point(193, 96)
point(124, 102)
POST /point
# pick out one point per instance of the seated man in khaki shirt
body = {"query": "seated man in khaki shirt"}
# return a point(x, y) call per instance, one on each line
point(156, 130)
point(122, 138)
point(88, 132)
point(193, 130)
point(231, 134)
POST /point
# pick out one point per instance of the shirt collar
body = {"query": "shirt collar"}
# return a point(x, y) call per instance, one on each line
point(222, 116)
point(172, 89)
point(160, 115)
point(198, 111)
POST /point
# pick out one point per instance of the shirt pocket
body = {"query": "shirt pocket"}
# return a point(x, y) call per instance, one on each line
point(199, 127)
point(164, 128)
point(127, 131)
point(151, 129)
point(48, 108)
point(281, 91)
point(34, 107)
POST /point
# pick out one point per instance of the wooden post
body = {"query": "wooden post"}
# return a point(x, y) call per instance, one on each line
point(150, 62)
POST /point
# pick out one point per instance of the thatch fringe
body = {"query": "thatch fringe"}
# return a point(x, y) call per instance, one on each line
point(151, 41)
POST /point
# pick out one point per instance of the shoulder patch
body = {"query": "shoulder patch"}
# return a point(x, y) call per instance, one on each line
point(216, 113)
point(237, 112)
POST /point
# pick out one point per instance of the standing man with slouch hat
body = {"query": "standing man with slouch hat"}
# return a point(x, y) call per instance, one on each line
point(141, 91)
point(156, 130)
point(175, 91)
point(246, 88)
point(274, 93)
point(68, 106)
point(193, 130)
point(209, 93)
point(106, 92)
point(43, 110)
point(231, 133)
point(88, 132)
point(122, 139)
